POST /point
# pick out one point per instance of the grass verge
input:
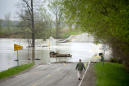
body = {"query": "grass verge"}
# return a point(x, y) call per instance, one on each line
point(14, 70)
point(111, 74)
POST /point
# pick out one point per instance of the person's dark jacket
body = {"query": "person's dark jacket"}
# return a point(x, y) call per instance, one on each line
point(80, 66)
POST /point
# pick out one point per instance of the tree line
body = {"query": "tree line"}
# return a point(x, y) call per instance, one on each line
point(48, 21)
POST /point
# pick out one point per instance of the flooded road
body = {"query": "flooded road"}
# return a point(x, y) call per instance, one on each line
point(78, 50)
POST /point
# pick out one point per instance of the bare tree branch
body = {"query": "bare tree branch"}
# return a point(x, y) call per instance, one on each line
point(28, 7)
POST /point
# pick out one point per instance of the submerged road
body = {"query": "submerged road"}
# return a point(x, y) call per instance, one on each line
point(46, 75)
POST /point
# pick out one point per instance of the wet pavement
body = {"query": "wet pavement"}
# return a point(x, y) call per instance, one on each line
point(61, 74)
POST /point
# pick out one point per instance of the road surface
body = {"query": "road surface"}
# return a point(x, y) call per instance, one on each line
point(46, 75)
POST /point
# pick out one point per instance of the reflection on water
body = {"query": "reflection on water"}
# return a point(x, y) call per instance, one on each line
point(79, 50)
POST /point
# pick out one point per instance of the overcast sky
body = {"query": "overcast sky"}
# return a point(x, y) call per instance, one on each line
point(8, 7)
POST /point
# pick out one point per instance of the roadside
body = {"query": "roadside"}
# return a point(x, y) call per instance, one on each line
point(90, 77)
point(111, 74)
point(64, 74)
point(15, 70)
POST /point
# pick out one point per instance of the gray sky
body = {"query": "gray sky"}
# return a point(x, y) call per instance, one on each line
point(8, 7)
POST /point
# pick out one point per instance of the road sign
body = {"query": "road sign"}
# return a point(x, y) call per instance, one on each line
point(17, 47)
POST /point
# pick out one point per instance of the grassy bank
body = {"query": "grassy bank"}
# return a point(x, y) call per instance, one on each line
point(111, 74)
point(14, 70)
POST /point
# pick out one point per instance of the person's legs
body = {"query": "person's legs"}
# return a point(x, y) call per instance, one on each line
point(79, 75)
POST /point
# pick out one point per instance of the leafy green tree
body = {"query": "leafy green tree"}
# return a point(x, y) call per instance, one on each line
point(107, 20)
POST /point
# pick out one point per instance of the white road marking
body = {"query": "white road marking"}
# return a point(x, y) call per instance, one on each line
point(84, 74)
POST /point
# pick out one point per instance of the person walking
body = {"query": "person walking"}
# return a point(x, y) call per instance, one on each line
point(102, 58)
point(80, 67)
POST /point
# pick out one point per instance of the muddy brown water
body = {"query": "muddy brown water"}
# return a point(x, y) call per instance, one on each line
point(78, 50)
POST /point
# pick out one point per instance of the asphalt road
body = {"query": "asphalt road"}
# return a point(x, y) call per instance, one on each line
point(46, 75)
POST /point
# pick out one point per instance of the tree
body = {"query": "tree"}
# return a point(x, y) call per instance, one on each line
point(43, 23)
point(56, 8)
point(107, 20)
point(28, 11)
point(43, 20)
point(8, 21)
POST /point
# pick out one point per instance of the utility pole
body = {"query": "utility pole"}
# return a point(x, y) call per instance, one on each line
point(33, 32)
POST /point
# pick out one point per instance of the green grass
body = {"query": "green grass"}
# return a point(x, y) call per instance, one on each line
point(14, 70)
point(111, 74)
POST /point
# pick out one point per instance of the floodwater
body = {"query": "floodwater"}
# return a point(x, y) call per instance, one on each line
point(78, 50)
